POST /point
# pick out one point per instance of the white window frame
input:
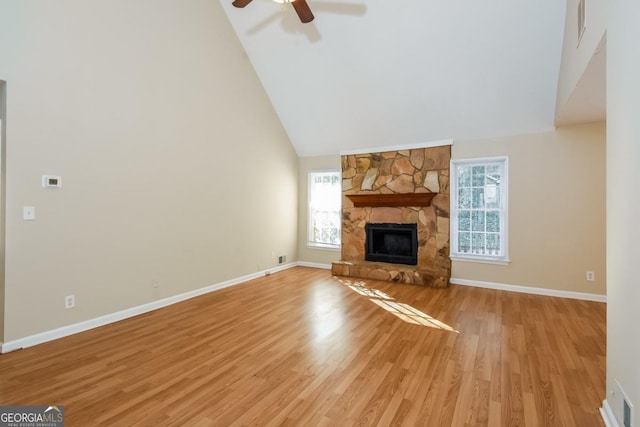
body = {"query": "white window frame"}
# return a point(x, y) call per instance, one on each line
point(455, 255)
point(310, 242)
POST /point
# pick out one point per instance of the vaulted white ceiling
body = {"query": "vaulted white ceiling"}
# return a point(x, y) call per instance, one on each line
point(372, 73)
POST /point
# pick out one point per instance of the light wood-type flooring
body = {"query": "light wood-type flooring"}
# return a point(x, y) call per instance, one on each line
point(303, 348)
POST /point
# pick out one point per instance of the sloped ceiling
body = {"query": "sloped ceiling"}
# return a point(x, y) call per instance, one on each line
point(371, 73)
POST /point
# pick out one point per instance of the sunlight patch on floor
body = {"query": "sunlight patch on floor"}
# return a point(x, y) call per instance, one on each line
point(368, 292)
point(404, 311)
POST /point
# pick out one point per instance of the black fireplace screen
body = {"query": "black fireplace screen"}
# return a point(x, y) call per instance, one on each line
point(394, 243)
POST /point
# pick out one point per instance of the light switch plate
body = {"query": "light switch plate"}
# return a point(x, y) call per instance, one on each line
point(28, 213)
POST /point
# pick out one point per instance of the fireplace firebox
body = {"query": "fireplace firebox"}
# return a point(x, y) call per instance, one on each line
point(393, 243)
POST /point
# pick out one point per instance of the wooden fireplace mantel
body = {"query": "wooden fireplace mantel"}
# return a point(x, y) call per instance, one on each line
point(378, 200)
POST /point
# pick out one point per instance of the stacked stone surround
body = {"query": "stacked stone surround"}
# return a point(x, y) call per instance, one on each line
point(408, 171)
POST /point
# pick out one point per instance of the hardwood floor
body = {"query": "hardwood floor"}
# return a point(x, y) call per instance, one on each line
point(303, 348)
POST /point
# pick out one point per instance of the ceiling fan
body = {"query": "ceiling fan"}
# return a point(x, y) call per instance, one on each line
point(302, 8)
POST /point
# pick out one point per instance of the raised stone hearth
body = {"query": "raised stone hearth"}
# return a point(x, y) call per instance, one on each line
point(404, 173)
point(399, 273)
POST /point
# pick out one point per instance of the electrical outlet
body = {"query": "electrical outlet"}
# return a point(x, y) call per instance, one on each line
point(69, 301)
point(282, 259)
point(155, 283)
point(591, 276)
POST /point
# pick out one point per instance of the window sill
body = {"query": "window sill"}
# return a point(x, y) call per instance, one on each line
point(480, 259)
point(323, 247)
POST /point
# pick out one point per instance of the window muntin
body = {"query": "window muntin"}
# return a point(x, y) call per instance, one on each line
point(479, 209)
point(325, 197)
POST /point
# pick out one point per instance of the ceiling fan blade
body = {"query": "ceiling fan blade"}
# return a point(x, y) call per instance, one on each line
point(303, 10)
point(240, 3)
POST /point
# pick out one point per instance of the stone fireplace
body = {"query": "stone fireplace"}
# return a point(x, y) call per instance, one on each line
point(407, 187)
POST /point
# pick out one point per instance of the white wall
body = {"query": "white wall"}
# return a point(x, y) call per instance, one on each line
point(623, 205)
point(306, 165)
point(174, 165)
point(556, 209)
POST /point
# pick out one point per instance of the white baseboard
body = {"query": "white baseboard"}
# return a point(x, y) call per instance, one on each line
point(130, 312)
point(530, 290)
point(154, 305)
point(607, 415)
point(314, 265)
point(276, 269)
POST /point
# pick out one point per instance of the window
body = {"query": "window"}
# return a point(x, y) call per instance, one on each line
point(325, 195)
point(479, 210)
